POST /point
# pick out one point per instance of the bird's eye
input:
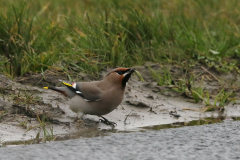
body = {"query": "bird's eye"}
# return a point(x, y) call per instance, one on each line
point(119, 72)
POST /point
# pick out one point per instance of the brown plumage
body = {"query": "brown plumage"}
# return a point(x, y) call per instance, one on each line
point(97, 97)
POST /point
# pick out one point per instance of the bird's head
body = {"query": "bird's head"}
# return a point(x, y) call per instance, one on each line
point(120, 75)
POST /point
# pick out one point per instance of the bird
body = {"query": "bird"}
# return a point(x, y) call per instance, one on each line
point(97, 97)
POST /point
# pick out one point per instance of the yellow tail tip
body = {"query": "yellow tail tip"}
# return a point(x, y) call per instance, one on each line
point(45, 87)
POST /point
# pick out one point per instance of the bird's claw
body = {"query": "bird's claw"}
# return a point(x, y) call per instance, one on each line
point(174, 113)
point(107, 122)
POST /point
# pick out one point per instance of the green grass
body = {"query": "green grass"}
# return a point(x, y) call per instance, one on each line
point(23, 123)
point(191, 86)
point(43, 126)
point(91, 35)
point(2, 114)
point(164, 79)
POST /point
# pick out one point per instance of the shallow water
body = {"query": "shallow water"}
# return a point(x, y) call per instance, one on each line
point(209, 120)
point(106, 132)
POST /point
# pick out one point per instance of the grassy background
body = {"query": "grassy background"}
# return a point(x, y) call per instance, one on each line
point(88, 35)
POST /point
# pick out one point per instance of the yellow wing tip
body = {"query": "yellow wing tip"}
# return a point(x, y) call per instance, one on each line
point(67, 84)
point(45, 87)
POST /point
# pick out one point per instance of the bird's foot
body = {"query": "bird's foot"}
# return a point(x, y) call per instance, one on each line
point(174, 113)
point(107, 122)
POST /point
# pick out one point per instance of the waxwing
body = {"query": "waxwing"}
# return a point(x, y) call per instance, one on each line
point(97, 97)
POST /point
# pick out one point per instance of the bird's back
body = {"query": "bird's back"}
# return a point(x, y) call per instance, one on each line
point(105, 95)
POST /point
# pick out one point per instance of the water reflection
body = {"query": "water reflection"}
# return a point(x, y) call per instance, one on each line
point(209, 120)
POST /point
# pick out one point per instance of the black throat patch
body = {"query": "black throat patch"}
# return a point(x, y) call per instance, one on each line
point(125, 79)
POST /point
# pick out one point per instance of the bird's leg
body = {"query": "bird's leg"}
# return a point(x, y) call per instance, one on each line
point(107, 122)
point(82, 116)
point(78, 115)
point(79, 121)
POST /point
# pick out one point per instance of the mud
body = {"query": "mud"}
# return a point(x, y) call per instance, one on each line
point(24, 105)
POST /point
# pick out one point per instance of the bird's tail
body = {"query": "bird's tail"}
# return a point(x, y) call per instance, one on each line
point(58, 89)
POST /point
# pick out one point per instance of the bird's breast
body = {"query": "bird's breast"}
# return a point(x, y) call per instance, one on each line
point(107, 103)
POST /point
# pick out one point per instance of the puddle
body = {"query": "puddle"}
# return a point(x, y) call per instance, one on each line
point(209, 120)
point(106, 132)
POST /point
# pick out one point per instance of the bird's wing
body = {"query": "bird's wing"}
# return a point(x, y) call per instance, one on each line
point(89, 91)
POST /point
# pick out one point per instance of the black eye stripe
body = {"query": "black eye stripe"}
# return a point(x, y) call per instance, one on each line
point(119, 72)
point(122, 72)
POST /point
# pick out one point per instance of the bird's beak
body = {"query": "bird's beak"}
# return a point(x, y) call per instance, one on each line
point(129, 72)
